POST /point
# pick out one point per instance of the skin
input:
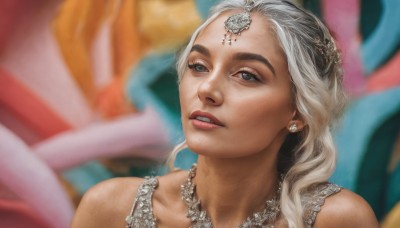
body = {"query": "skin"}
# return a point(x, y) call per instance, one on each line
point(253, 102)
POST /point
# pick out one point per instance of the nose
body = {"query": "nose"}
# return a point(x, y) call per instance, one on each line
point(210, 91)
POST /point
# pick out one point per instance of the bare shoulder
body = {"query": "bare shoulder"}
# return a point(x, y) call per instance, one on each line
point(107, 203)
point(346, 209)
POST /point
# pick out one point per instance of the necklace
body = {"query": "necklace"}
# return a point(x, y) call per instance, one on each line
point(200, 219)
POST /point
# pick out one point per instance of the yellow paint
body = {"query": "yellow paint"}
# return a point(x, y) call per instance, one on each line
point(138, 27)
point(75, 27)
point(392, 220)
point(168, 23)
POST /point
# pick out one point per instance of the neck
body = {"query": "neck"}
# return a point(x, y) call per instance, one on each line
point(230, 190)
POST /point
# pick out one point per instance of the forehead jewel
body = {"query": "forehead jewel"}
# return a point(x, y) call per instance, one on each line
point(237, 23)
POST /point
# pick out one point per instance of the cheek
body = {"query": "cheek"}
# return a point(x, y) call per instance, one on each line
point(183, 93)
point(273, 106)
point(186, 94)
point(268, 112)
point(259, 123)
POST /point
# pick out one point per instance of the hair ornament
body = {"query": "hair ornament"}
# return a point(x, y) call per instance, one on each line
point(327, 49)
point(237, 23)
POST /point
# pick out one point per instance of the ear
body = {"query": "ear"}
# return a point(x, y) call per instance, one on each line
point(296, 124)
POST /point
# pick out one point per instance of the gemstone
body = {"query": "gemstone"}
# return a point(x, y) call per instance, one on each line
point(238, 22)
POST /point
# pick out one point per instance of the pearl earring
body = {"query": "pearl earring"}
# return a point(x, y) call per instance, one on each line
point(293, 127)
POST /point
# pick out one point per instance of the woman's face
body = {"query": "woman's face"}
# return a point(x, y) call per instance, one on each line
point(236, 99)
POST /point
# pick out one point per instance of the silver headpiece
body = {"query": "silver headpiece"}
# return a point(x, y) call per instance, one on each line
point(237, 23)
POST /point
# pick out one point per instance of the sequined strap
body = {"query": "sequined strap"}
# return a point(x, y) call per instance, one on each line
point(315, 200)
point(141, 215)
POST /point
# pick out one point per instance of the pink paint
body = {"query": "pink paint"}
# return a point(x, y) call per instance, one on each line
point(32, 56)
point(11, 13)
point(28, 108)
point(342, 17)
point(33, 182)
point(138, 135)
point(16, 214)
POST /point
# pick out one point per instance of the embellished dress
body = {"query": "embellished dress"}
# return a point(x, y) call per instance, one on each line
point(141, 214)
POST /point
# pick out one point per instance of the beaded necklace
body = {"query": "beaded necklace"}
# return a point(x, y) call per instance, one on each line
point(200, 219)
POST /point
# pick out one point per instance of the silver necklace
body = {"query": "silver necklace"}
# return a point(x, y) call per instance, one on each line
point(200, 219)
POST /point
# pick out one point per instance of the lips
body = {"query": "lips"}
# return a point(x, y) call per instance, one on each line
point(205, 117)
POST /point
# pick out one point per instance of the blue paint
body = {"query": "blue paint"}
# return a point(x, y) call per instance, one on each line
point(85, 176)
point(384, 41)
point(361, 120)
point(203, 6)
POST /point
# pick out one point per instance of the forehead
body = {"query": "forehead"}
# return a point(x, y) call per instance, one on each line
point(259, 38)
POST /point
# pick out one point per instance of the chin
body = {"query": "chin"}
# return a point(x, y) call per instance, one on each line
point(222, 152)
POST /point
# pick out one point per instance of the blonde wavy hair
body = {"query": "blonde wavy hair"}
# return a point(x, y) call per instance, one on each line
point(307, 157)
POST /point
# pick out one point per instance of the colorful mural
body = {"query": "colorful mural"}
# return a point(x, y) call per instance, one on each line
point(369, 136)
point(88, 92)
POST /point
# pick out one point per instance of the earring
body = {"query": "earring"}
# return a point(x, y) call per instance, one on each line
point(293, 127)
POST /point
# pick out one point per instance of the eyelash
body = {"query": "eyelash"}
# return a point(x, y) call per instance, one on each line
point(254, 77)
point(192, 66)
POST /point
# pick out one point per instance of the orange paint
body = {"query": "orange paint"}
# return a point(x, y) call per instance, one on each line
point(386, 77)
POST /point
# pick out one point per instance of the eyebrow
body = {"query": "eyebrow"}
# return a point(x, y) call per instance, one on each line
point(201, 49)
point(238, 56)
point(251, 56)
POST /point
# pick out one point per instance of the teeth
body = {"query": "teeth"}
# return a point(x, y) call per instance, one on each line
point(204, 119)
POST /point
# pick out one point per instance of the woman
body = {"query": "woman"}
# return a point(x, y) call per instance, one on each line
point(260, 87)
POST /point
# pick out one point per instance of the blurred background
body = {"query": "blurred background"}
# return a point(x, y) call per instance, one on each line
point(88, 92)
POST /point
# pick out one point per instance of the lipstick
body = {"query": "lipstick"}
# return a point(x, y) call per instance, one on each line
point(205, 120)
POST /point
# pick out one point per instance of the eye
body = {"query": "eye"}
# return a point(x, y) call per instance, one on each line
point(248, 76)
point(197, 67)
